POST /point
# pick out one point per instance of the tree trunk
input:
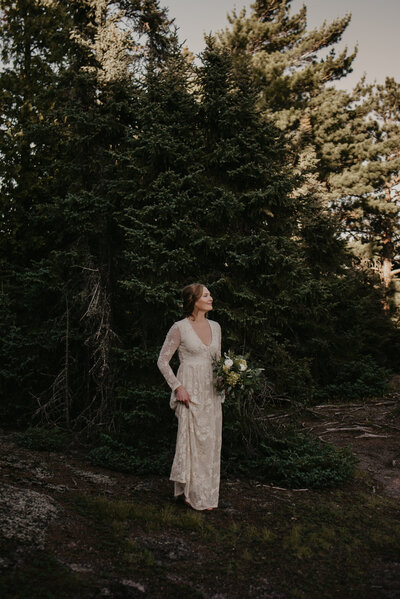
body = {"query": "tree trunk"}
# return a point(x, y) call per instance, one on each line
point(387, 253)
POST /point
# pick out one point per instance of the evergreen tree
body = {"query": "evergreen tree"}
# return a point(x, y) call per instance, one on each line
point(128, 172)
point(344, 146)
point(247, 253)
point(67, 274)
point(162, 168)
point(286, 57)
point(211, 201)
point(386, 167)
point(278, 262)
point(363, 169)
point(33, 46)
point(291, 78)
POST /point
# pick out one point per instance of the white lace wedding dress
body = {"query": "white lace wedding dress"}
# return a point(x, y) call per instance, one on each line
point(196, 466)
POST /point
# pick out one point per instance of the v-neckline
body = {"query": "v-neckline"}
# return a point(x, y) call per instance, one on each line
point(197, 335)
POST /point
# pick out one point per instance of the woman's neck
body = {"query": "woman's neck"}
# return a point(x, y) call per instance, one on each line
point(198, 316)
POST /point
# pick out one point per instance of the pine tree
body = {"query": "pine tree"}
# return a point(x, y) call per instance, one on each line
point(248, 213)
point(291, 78)
point(137, 173)
point(32, 50)
point(386, 227)
point(272, 254)
point(286, 57)
point(345, 143)
point(365, 151)
point(67, 274)
point(91, 115)
point(162, 170)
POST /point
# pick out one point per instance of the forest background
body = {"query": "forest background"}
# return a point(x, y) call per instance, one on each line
point(130, 169)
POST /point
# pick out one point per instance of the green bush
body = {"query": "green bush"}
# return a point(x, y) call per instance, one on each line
point(294, 460)
point(356, 380)
point(133, 460)
point(43, 439)
point(287, 458)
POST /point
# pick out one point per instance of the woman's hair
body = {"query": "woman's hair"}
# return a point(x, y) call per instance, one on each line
point(190, 295)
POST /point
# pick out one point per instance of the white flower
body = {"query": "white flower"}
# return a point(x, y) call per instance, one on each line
point(228, 362)
point(242, 364)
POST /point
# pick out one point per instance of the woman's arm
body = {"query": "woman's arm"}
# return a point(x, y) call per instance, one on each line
point(170, 345)
point(168, 349)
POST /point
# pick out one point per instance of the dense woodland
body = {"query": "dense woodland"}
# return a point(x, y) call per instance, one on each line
point(130, 168)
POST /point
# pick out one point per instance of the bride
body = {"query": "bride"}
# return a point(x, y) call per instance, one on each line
point(196, 466)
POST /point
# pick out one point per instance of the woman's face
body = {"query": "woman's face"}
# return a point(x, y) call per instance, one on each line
point(204, 303)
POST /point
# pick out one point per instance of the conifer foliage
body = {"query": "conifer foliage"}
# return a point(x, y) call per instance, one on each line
point(367, 186)
point(62, 137)
point(344, 143)
point(129, 170)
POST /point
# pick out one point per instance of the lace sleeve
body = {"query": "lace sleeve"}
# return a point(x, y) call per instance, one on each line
point(170, 345)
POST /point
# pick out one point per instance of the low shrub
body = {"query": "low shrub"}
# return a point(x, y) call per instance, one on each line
point(355, 380)
point(292, 459)
point(118, 456)
point(287, 457)
point(43, 439)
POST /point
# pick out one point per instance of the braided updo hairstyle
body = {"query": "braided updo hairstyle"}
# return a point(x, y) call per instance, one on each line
point(190, 295)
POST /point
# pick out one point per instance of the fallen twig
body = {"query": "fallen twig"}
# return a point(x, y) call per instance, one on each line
point(346, 428)
point(339, 405)
point(284, 489)
point(371, 435)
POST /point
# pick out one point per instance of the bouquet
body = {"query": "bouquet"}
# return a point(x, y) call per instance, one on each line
point(233, 375)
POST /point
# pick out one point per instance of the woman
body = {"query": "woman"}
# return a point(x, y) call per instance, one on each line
point(196, 466)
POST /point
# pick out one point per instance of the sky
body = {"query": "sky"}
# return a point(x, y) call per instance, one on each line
point(374, 27)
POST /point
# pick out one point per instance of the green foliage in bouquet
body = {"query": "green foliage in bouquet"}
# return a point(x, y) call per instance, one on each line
point(233, 375)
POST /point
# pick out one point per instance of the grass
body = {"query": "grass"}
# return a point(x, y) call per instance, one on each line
point(331, 544)
point(327, 541)
point(307, 546)
point(149, 515)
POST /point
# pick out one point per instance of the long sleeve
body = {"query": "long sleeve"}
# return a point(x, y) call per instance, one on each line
point(170, 345)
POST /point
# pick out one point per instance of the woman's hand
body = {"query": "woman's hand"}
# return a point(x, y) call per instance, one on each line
point(182, 395)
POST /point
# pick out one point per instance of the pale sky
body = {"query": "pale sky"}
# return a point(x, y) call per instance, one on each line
point(374, 26)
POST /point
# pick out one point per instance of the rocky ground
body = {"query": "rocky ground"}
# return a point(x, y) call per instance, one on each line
point(70, 530)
